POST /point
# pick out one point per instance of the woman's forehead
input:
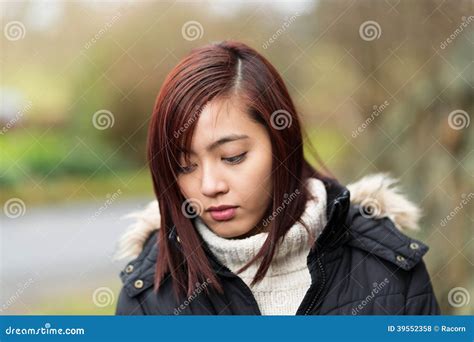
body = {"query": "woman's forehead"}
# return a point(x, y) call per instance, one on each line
point(220, 113)
point(221, 121)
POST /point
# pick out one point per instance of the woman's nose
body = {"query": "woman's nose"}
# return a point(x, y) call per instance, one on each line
point(213, 183)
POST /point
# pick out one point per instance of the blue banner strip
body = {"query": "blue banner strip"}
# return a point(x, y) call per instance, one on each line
point(237, 328)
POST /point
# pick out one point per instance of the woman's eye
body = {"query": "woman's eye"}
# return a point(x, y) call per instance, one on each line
point(230, 160)
point(185, 169)
point(235, 159)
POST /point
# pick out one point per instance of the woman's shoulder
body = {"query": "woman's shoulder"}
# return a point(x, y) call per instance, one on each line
point(381, 220)
point(139, 245)
point(138, 275)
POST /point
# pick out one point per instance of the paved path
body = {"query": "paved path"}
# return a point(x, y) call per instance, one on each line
point(59, 248)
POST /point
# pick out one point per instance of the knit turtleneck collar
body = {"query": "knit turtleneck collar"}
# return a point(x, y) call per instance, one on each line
point(291, 254)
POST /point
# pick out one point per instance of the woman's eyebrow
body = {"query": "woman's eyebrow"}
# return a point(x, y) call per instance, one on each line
point(223, 140)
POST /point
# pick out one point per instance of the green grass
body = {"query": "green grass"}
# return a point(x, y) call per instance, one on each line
point(78, 188)
point(78, 302)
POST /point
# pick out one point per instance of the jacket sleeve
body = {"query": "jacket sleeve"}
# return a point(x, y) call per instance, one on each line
point(128, 306)
point(420, 298)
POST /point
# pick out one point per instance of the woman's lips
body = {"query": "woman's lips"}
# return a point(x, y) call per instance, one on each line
point(223, 215)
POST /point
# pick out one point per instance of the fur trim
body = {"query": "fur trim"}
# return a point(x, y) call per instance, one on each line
point(132, 241)
point(375, 192)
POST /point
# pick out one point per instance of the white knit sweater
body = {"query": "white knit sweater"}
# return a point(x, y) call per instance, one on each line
point(288, 279)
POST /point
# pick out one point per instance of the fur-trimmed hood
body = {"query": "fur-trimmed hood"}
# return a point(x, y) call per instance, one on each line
point(377, 193)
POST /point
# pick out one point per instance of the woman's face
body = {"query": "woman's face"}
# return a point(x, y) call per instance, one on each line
point(230, 164)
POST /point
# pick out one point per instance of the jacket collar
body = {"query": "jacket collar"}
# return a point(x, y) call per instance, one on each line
point(337, 209)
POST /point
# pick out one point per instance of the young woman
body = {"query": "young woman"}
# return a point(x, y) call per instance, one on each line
point(243, 224)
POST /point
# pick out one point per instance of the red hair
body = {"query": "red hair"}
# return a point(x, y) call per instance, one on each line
point(219, 70)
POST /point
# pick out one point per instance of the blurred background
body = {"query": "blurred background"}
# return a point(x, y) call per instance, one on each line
point(381, 86)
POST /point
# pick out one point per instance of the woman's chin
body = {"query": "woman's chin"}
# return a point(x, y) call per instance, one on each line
point(228, 230)
point(228, 233)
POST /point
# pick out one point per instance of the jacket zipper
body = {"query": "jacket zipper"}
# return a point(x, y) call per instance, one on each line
point(231, 274)
point(320, 290)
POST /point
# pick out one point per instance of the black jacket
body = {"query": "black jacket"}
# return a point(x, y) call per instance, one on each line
point(362, 265)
